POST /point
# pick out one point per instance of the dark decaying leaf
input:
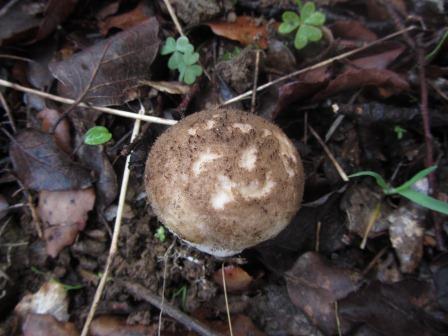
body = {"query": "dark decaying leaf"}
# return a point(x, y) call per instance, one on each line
point(115, 326)
point(62, 137)
point(388, 81)
point(440, 275)
point(352, 30)
point(64, 214)
point(314, 285)
point(41, 165)
point(3, 206)
point(393, 309)
point(36, 325)
point(126, 62)
point(379, 57)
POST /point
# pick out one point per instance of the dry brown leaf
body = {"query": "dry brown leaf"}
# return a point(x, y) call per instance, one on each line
point(41, 165)
point(237, 279)
point(126, 20)
point(352, 30)
point(114, 326)
point(64, 214)
point(314, 285)
point(168, 87)
point(244, 29)
point(47, 325)
point(126, 62)
point(51, 299)
point(49, 117)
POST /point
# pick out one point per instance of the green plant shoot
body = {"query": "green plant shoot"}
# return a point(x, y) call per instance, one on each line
point(405, 190)
point(97, 135)
point(183, 58)
point(160, 234)
point(399, 131)
point(182, 292)
point(308, 24)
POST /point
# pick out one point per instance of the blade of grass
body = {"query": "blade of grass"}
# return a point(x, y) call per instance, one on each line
point(379, 179)
point(417, 177)
point(425, 201)
point(439, 45)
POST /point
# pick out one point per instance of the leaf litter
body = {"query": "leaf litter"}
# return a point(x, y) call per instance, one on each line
point(314, 278)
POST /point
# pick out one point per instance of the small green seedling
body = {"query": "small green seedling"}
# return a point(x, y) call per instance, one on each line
point(160, 234)
point(406, 190)
point(183, 58)
point(97, 135)
point(399, 131)
point(182, 292)
point(228, 55)
point(67, 287)
point(309, 24)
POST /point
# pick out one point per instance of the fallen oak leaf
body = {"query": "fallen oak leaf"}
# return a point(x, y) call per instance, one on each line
point(237, 279)
point(36, 324)
point(63, 214)
point(41, 165)
point(244, 29)
point(126, 62)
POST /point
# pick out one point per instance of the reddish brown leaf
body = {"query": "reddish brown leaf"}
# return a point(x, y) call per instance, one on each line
point(49, 117)
point(244, 29)
point(64, 214)
point(47, 325)
point(126, 62)
point(237, 279)
point(352, 30)
point(126, 20)
point(41, 165)
point(380, 57)
point(115, 326)
point(314, 285)
point(390, 82)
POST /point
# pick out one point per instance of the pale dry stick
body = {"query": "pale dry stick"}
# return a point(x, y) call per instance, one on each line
point(8, 112)
point(338, 322)
point(116, 232)
point(372, 219)
point(226, 300)
point(69, 101)
point(165, 268)
point(374, 261)
point(333, 160)
point(318, 65)
point(254, 88)
point(173, 17)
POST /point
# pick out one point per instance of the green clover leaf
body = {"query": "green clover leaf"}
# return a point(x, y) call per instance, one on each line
point(175, 60)
point(191, 58)
point(308, 9)
point(312, 33)
point(169, 46)
point(183, 45)
point(290, 22)
point(191, 72)
point(315, 19)
point(97, 135)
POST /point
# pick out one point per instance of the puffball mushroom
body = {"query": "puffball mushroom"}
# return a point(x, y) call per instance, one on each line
point(224, 180)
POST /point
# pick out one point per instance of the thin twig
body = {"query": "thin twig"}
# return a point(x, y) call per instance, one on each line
point(8, 112)
point(374, 261)
point(116, 233)
point(189, 322)
point(318, 228)
point(174, 17)
point(7, 7)
point(372, 219)
point(226, 299)
point(318, 65)
point(86, 88)
point(338, 322)
point(333, 160)
point(165, 268)
point(254, 88)
point(69, 101)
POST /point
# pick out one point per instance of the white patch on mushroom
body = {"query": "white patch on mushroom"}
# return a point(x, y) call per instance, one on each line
point(223, 194)
point(192, 131)
point(248, 158)
point(245, 128)
point(286, 152)
point(204, 158)
point(266, 133)
point(255, 190)
point(209, 124)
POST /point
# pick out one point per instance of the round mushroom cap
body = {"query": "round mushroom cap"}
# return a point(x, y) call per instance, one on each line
point(224, 180)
